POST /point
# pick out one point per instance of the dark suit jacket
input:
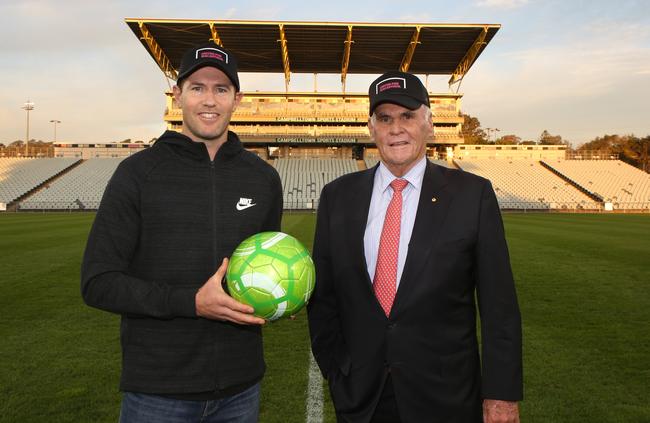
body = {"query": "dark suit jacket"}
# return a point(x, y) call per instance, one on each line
point(457, 255)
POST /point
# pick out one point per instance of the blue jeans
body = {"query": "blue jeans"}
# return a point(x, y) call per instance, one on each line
point(144, 408)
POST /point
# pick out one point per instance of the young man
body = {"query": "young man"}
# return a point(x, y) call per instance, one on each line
point(400, 252)
point(157, 252)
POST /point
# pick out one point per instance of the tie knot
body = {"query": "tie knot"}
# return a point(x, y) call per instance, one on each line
point(399, 184)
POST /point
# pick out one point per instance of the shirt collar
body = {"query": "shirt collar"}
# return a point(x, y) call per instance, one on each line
point(413, 176)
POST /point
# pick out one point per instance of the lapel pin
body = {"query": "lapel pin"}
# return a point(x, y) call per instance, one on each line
point(434, 199)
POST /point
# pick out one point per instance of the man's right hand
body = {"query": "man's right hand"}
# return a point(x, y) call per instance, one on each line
point(212, 302)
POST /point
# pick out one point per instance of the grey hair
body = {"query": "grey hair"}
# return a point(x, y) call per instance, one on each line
point(427, 110)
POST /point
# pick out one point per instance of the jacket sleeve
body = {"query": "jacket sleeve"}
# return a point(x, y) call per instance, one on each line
point(324, 323)
point(106, 280)
point(499, 311)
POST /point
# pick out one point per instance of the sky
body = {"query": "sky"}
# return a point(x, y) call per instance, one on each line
point(576, 68)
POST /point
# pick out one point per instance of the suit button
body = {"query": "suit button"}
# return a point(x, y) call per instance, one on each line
point(391, 326)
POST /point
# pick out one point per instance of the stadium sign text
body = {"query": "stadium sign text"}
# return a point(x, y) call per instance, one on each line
point(316, 140)
point(315, 119)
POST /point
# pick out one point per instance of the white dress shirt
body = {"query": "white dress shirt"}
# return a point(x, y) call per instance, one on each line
point(381, 196)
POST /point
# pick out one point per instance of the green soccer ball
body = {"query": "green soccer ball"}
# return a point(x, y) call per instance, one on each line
point(273, 273)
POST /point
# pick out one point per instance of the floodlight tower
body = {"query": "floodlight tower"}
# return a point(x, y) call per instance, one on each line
point(492, 133)
point(28, 106)
point(55, 122)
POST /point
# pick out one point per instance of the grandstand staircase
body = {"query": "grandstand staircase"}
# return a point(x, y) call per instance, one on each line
point(592, 195)
point(14, 204)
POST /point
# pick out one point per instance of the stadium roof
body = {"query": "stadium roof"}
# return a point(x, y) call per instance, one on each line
point(321, 47)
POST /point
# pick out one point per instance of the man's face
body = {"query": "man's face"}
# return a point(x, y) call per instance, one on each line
point(208, 99)
point(400, 135)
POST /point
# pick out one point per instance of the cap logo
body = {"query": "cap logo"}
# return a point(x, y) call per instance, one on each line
point(212, 53)
point(390, 84)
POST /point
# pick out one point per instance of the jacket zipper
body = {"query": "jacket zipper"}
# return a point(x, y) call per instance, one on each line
point(214, 214)
point(213, 183)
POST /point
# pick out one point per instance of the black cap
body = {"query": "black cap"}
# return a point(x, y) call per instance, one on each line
point(209, 55)
point(400, 88)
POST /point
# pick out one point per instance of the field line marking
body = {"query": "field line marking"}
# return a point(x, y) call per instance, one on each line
point(314, 402)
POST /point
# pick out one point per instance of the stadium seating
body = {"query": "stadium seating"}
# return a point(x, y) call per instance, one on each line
point(615, 181)
point(20, 175)
point(518, 183)
point(81, 188)
point(526, 184)
point(304, 178)
point(371, 161)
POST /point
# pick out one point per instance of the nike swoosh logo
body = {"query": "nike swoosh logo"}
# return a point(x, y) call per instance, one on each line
point(244, 206)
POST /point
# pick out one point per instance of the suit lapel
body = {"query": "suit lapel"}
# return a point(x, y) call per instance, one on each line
point(359, 197)
point(432, 210)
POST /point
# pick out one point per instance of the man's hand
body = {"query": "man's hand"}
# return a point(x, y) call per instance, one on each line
point(496, 411)
point(212, 302)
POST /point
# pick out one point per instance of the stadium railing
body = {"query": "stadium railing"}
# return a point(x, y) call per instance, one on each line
point(44, 206)
point(300, 205)
point(569, 207)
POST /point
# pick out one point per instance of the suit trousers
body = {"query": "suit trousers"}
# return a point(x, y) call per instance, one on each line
point(386, 410)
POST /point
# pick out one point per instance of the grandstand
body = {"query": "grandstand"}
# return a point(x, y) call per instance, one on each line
point(79, 189)
point(611, 181)
point(313, 137)
point(19, 176)
point(267, 119)
point(526, 184)
point(304, 178)
point(520, 184)
point(271, 122)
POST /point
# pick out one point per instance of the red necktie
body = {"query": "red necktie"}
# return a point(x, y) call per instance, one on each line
point(386, 270)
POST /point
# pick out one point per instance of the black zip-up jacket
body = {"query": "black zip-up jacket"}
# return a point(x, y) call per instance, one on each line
point(168, 217)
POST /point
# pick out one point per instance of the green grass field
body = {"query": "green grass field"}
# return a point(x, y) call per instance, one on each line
point(583, 284)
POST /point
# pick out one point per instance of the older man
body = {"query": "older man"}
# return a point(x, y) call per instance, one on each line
point(402, 251)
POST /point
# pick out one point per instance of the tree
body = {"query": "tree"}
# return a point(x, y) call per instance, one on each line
point(605, 144)
point(472, 131)
point(547, 139)
point(630, 149)
point(508, 140)
point(645, 153)
point(636, 151)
